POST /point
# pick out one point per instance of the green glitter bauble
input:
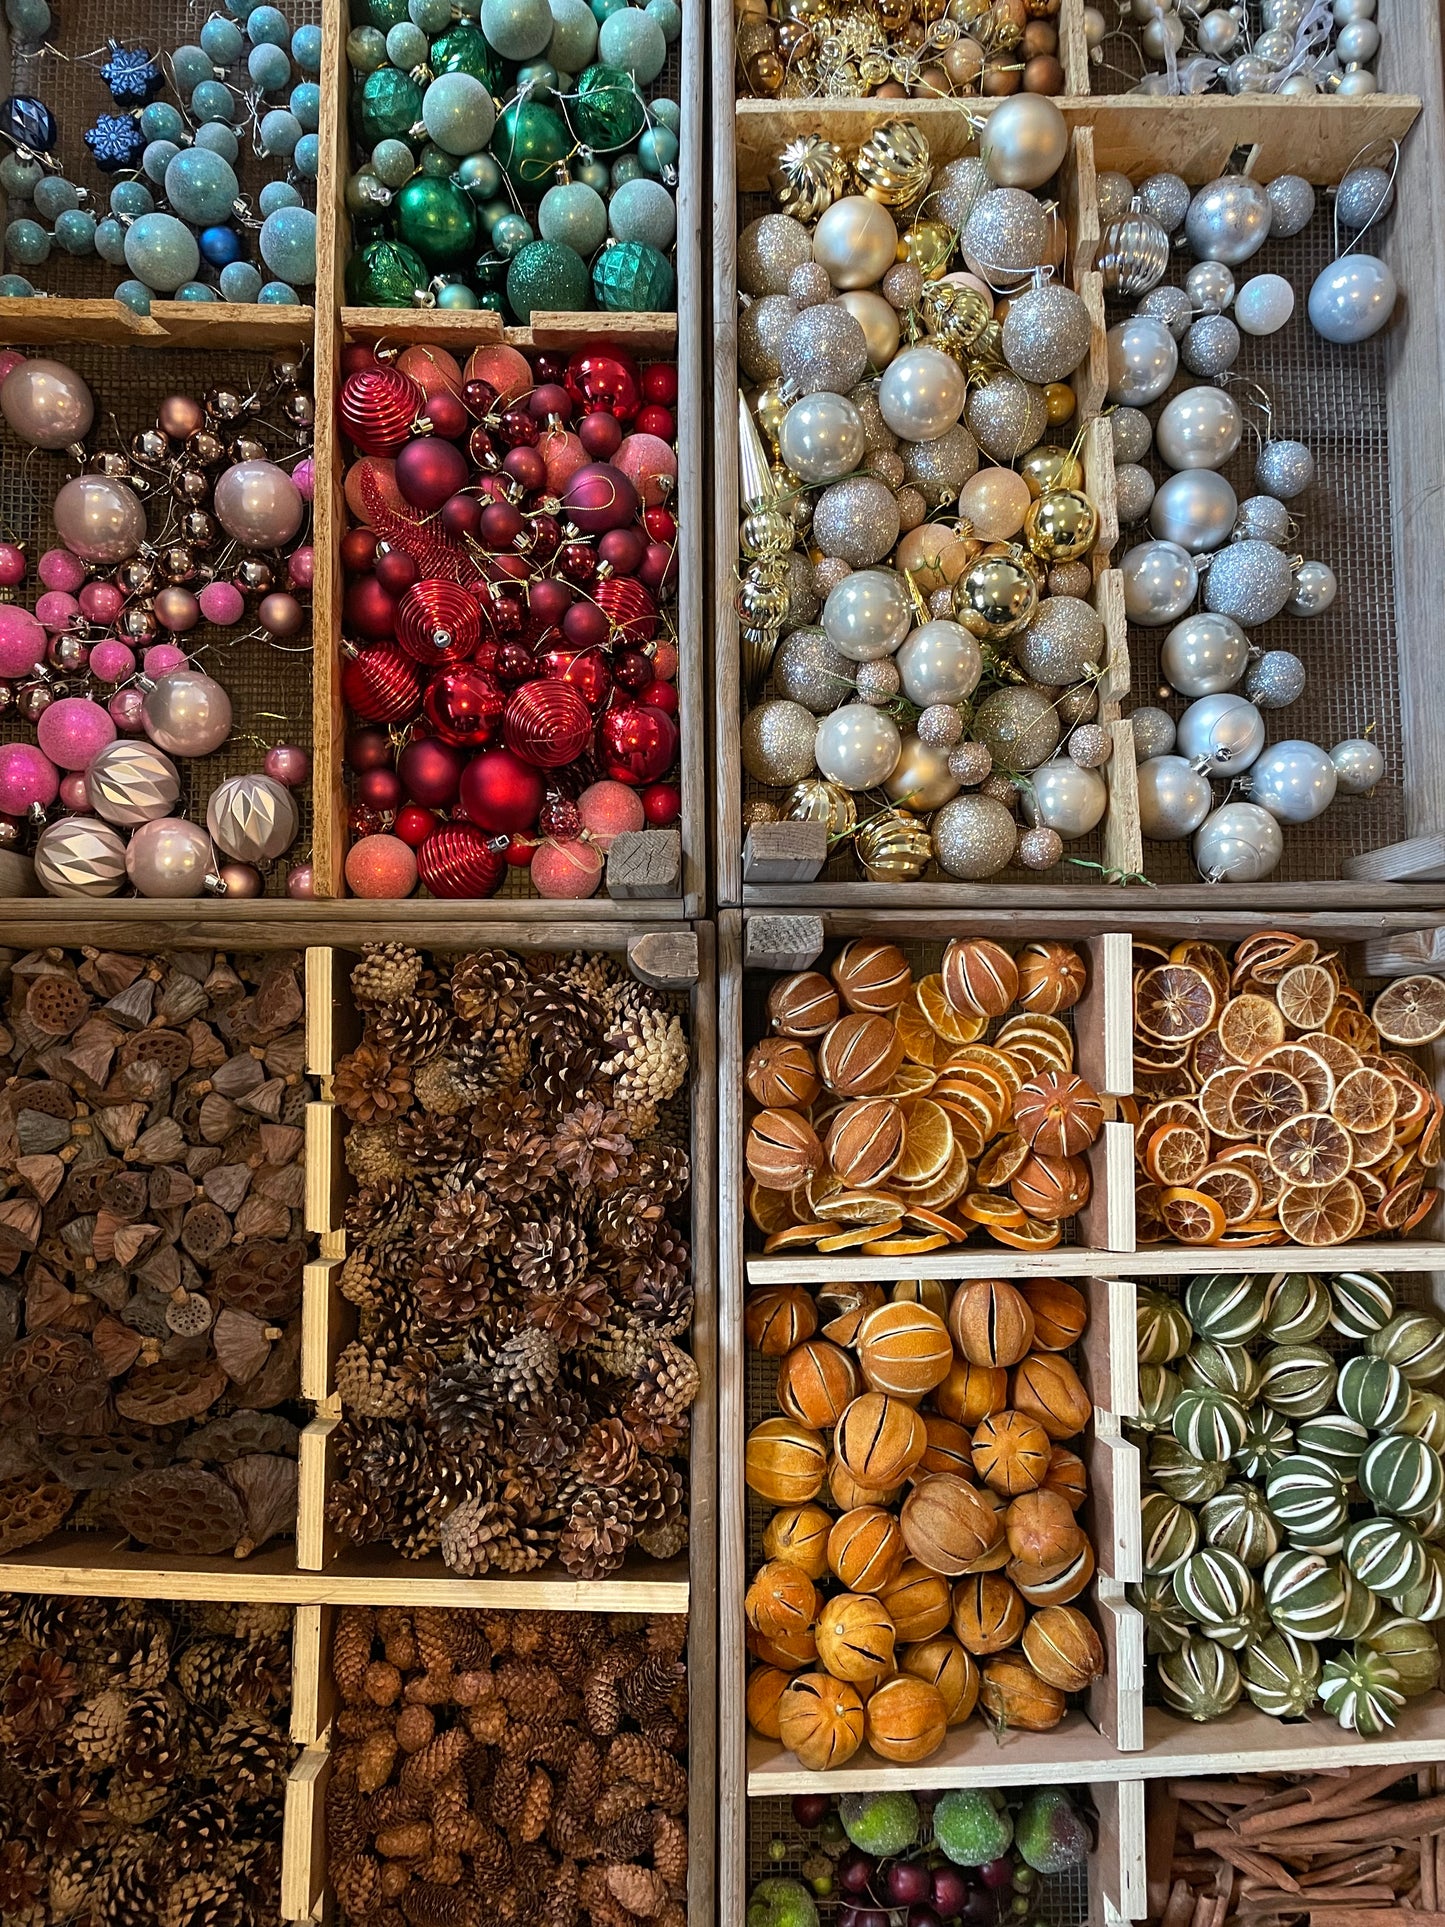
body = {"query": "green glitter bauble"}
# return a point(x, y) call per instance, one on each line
point(546, 275)
point(437, 219)
point(464, 49)
point(608, 109)
point(388, 105)
point(383, 14)
point(385, 274)
point(529, 142)
point(633, 278)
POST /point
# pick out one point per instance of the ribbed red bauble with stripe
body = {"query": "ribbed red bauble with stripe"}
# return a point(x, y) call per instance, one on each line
point(460, 861)
point(547, 724)
point(377, 407)
point(438, 621)
point(380, 685)
point(629, 609)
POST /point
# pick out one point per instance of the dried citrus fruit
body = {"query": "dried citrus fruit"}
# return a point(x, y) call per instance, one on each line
point(1001, 1160)
point(1028, 1236)
point(770, 1211)
point(1365, 1100)
point(906, 1244)
point(1299, 1061)
point(795, 1237)
point(1341, 1057)
point(857, 1207)
point(859, 1234)
point(1399, 1201)
point(1353, 1025)
point(982, 1207)
point(1234, 1188)
point(1203, 956)
point(923, 1218)
point(1149, 1225)
point(1310, 1150)
point(1215, 1097)
point(953, 1026)
point(1372, 1147)
point(1176, 1154)
point(1331, 1215)
point(909, 1080)
point(1249, 1025)
point(1175, 1003)
point(927, 1141)
point(1306, 995)
point(1262, 1100)
point(1252, 1157)
point(1411, 1010)
point(921, 1042)
point(986, 1057)
point(1191, 1216)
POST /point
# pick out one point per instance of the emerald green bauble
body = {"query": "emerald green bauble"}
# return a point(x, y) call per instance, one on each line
point(385, 274)
point(464, 49)
point(529, 142)
point(632, 278)
point(436, 218)
point(608, 108)
point(546, 275)
point(384, 14)
point(388, 105)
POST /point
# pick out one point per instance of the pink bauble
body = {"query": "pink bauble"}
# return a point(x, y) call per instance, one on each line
point(563, 455)
point(180, 416)
point(27, 776)
point(567, 868)
point(301, 882)
point(177, 610)
point(73, 731)
point(12, 566)
point(59, 569)
point(664, 662)
point(46, 403)
point(22, 640)
point(57, 611)
point(258, 505)
point(304, 476)
point(222, 603)
point(99, 519)
point(9, 358)
point(75, 792)
point(501, 793)
point(281, 615)
point(162, 657)
point(650, 464)
point(101, 601)
point(187, 714)
point(289, 764)
point(380, 866)
point(302, 567)
point(241, 880)
point(509, 372)
point(432, 369)
point(126, 710)
point(169, 857)
point(111, 660)
point(607, 810)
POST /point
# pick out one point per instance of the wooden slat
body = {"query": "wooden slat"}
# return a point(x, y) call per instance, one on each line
point(315, 1543)
point(1119, 1855)
point(303, 1839)
point(986, 1260)
point(328, 1324)
point(1116, 1702)
point(1110, 1346)
point(1114, 1492)
point(732, 1565)
point(313, 1691)
point(325, 1168)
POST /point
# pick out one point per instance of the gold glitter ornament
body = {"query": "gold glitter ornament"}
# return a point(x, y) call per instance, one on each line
point(894, 165)
point(929, 246)
point(760, 809)
point(1061, 525)
point(954, 314)
point(808, 176)
point(1048, 467)
point(819, 801)
point(996, 597)
point(893, 847)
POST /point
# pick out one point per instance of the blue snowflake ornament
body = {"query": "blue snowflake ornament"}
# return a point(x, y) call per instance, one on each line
point(132, 75)
point(115, 142)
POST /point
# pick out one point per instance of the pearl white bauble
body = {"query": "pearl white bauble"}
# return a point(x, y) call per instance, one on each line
point(1204, 655)
point(1221, 734)
point(1200, 427)
point(1065, 798)
point(868, 614)
point(1025, 140)
point(1174, 798)
point(939, 663)
point(1239, 843)
point(857, 746)
point(1359, 765)
point(1295, 781)
point(856, 240)
point(921, 394)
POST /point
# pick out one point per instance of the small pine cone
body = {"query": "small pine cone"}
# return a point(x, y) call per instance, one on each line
point(382, 1682)
point(263, 1622)
point(646, 1056)
point(669, 1851)
point(487, 1722)
point(640, 1890)
point(408, 1840)
point(584, 1779)
point(133, 1803)
point(387, 971)
point(97, 1729)
point(560, 1906)
point(395, 1879)
point(603, 1907)
point(617, 1802)
point(73, 1881)
point(369, 1385)
point(203, 1896)
point(607, 1454)
point(630, 1838)
point(369, 1088)
point(668, 1383)
point(596, 1533)
point(426, 1769)
point(393, 1805)
point(375, 1758)
point(497, 1629)
point(360, 1283)
point(348, 1830)
point(649, 1688)
point(426, 1905)
point(450, 1813)
point(434, 1640)
point(399, 1639)
point(664, 1542)
point(570, 1835)
point(356, 1722)
point(356, 1882)
point(442, 1869)
point(374, 1153)
point(415, 1726)
point(509, 1793)
point(530, 1691)
point(536, 1807)
point(630, 1757)
point(674, 1914)
point(601, 1695)
point(411, 1030)
point(435, 1088)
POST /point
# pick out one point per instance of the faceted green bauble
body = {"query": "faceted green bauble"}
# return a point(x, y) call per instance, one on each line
point(385, 274)
point(608, 109)
point(436, 218)
point(464, 49)
point(388, 105)
point(546, 275)
point(384, 14)
point(632, 278)
point(529, 142)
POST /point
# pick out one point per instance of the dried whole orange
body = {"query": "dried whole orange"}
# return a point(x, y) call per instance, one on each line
point(859, 1054)
point(864, 1139)
point(802, 1005)
point(1174, 1003)
point(1052, 977)
point(870, 975)
point(777, 1317)
point(1050, 1187)
point(780, 1074)
point(979, 976)
point(1058, 1115)
point(1411, 1010)
point(782, 1149)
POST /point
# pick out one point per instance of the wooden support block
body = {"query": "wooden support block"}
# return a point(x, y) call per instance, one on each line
point(1405, 951)
point(1419, 859)
point(1110, 1345)
point(1116, 1701)
point(645, 864)
point(784, 852)
point(327, 1323)
point(314, 1546)
point(782, 943)
point(325, 1167)
point(1107, 1220)
point(1119, 1857)
point(303, 1838)
point(1114, 1491)
point(666, 959)
point(313, 1691)
point(1103, 1016)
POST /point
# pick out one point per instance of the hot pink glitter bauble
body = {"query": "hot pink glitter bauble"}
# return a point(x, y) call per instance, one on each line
point(59, 569)
point(162, 657)
point(607, 810)
point(12, 566)
point(73, 731)
point(111, 660)
point(101, 601)
point(222, 602)
point(26, 776)
point(570, 868)
point(380, 866)
point(57, 610)
point(22, 640)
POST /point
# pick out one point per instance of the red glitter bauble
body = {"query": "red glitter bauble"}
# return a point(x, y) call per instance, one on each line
point(501, 793)
point(430, 771)
point(380, 685)
point(380, 866)
point(464, 706)
point(638, 743)
point(438, 622)
point(377, 407)
point(459, 861)
point(628, 608)
point(600, 497)
point(606, 380)
point(547, 724)
point(585, 669)
point(661, 805)
point(430, 470)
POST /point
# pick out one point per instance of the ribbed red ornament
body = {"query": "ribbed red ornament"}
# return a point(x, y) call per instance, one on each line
point(547, 724)
point(459, 861)
point(629, 609)
point(380, 685)
point(438, 622)
point(377, 407)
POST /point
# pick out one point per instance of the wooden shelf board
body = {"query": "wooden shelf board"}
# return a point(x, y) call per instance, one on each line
point(39, 320)
point(76, 1563)
point(463, 328)
point(363, 1576)
point(1078, 1261)
point(344, 921)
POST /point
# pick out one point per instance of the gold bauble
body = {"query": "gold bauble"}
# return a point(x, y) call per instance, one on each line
point(963, 61)
point(986, 355)
point(878, 320)
point(808, 13)
point(818, 801)
point(895, 14)
point(762, 595)
point(1047, 467)
point(996, 597)
point(795, 42)
point(769, 409)
point(894, 165)
point(1061, 525)
point(893, 847)
point(766, 532)
point(754, 36)
point(765, 73)
point(1060, 403)
point(760, 809)
point(807, 177)
point(956, 314)
point(929, 246)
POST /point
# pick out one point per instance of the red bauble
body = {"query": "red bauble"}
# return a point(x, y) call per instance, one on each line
point(368, 749)
point(656, 420)
point(622, 550)
point(482, 448)
point(547, 724)
point(660, 523)
point(526, 467)
point(520, 851)
point(585, 626)
point(464, 705)
point(501, 525)
point(600, 435)
point(629, 609)
point(445, 412)
point(550, 600)
point(438, 622)
point(377, 407)
point(363, 820)
point(459, 861)
point(659, 383)
point(576, 562)
point(659, 567)
point(505, 610)
point(396, 571)
point(601, 378)
point(428, 470)
point(431, 771)
point(479, 396)
point(600, 497)
point(414, 824)
point(660, 695)
point(639, 744)
point(380, 866)
point(544, 534)
point(461, 516)
point(550, 364)
point(354, 356)
point(379, 789)
point(550, 398)
point(501, 793)
point(358, 550)
point(661, 805)
point(367, 608)
point(559, 817)
point(515, 664)
point(380, 685)
point(633, 670)
point(585, 669)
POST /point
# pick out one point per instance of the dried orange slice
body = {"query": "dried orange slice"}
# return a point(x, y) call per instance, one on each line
point(1215, 1097)
point(906, 1244)
point(1249, 1025)
point(1042, 1021)
point(1248, 1237)
point(1269, 953)
point(1204, 956)
point(1299, 1061)
point(857, 1207)
point(982, 1207)
point(1411, 1010)
point(984, 1057)
point(796, 1236)
point(1427, 1148)
point(1149, 1225)
point(1330, 1215)
point(1353, 1025)
point(969, 1136)
point(1413, 1109)
point(1148, 953)
point(1372, 1190)
point(1263, 1099)
point(1311, 1150)
point(1424, 1205)
point(910, 1080)
point(859, 1234)
point(927, 1219)
point(1252, 1157)
point(1037, 1049)
point(1341, 1057)
point(1191, 1216)
point(1175, 1003)
point(927, 1142)
point(1399, 1201)
point(1234, 1188)
point(1372, 1147)
point(1365, 1100)
point(921, 1042)
point(1031, 1235)
point(770, 1211)
point(1162, 1083)
point(1176, 1154)
point(1001, 1160)
point(1170, 1110)
point(953, 1026)
point(1306, 995)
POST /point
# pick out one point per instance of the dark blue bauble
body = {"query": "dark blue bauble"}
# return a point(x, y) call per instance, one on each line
point(115, 142)
point(28, 122)
point(221, 246)
point(132, 76)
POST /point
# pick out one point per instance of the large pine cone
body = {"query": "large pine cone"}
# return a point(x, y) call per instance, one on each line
point(386, 972)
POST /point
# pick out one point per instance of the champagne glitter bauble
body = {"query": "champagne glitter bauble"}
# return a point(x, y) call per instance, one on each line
point(974, 837)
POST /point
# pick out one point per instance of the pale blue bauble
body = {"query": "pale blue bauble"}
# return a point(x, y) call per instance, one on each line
point(20, 178)
point(200, 186)
point(270, 68)
point(634, 41)
point(134, 295)
point(458, 113)
point(222, 41)
point(280, 131)
point(196, 291)
point(267, 26)
point(643, 210)
point(288, 245)
point(393, 164)
point(110, 241)
point(220, 139)
point(306, 49)
point(658, 150)
point(668, 15)
point(157, 158)
point(456, 294)
point(240, 281)
point(160, 121)
point(573, 213)
point(75, 231)
point(213, 100)
point(574, 35)
point(55, 196)
point(277, 194)
point(191, 65)
point(430, 15)
point(162, 252)
point(305, 104)
point(518, 29)
point(27, 242)
point(29, 22)
point(307, 158)
point(406, 46)
point(15, 287)
point(510, 235)
point(666, 113)
point(278, 294)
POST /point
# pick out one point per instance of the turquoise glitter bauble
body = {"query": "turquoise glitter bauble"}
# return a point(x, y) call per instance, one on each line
point(643, 210)
point(437, 219)
point(635, 41)
point(574, 214)
point(608, 109)
point(162, 252)
point(385, 274)
point(546, 275)
point(200, 186)
point(518, 29)
point(288, 245)
point(632, 278)
point(458, 113)
point(529, 142)
point(574, 36)
point(384, 14)
point(464, 49)
point(389, 105)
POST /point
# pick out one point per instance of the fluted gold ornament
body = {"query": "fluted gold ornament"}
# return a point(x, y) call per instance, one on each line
point(819, 801)
point(1061, 525)
point(770, 408)
point(894, 165)
point(893, 847)
point(954, 314)
point(808, 176)
point(996, 597)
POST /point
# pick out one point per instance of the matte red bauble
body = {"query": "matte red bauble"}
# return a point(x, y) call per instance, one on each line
point(599, 497)
point(622, 550)
point(501, 793)
point(430, 771)
point(358, 550)
point(377, 407)
point(379, 789)
point(547, 724)
point(629, 608)
point(659, 567)
point(438, 621)
point(380, 685)
point(659, 382)
point(464, 705)
point(549, 398)
point(429, 470)
point(526, 467)
point(461, 516)
point(600, 435)
point(459, 861)
point(396, 571)
point(520, 851)
point(368, 749)
point(585, 669)
point(368, 609)
point(550, 600)
point(605, 379)
point(639, 744)
point(446, 414)
point(660, 695)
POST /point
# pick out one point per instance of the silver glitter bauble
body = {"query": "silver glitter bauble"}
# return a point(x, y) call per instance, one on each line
point(1293, 201)
point(1172, 306)
point(1174, 798)
point(807, 669)
point(1160, 581)
point(1275, 680)
point(1221, 735)
point(857, 519)
point(1315, 588)
point(1210, 346)
point(824, 348)
point(1046, 333)
point(808, 284)
point(1065, 797)
point(768, 251)
point(876, 432)
point(1080, 704)
point(971, 763)
point(1090, 746)
point(1204, 655)
point(828, 572)
point(1195, 508)
point(1018, 726)
point(1133, 493)
point(887, 467)
point(974, 837)
point(939, 469)
point(1006, 238)
point(1063, 640)
point(857, 746)
point(1006, 416)
point(878, 681)
point(1143, 358)
point(1295, 781)
point(940, 726)
point(1132, 433)
point(1250, 581)
point(803, 601)
point(1200, 427)
point(131, 782)
point(252, 818)
point(762, 328)
point(79, 856)
point(1115, 193)
point(1154, 732)
point(1229, 220)
point(1165, 197)
point(1284, 469)
point(957, 190)
point(777, 742)
point(1359, 764)
point(1263, 518)
point(1040, 848)
point(1210, 286)
point(1364, 195)
point(1133, 255)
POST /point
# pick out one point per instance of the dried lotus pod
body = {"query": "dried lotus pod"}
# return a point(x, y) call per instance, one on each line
point(120, 1124)
point(267, 1484)
point(57, 1005)
point(207, 1050)
point(57, 1382)
point(190, 1314)
point(239, 1435)
point(43, 1173)
point(163, 1143)
point(279, 1378)
point(165, 1394)
point(261, 1217)
point(262, 1277)
point(30, 1511)
point(218, 1118)
point(181, 998)
point(241, 1343)
point(125, 1195)
point(170, 1187)
point(94, 1465)
point(238, 1075)
point(179, 1508)
point(227, 1185)
point(205, 1232)
point(131, 1242)
point(37, 1132)
point(133, 1007)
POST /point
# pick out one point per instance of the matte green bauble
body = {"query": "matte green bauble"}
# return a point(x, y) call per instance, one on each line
point(437, 219)
point(546, 275)
point(388, 105)
point(529, 142)
point(608, 109)
point(632, 278)
point(464, 49)
point(574, 214)
point(385, 274)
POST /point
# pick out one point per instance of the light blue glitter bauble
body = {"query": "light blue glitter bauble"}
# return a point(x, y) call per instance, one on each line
point(131, 197)
point(54, 196)
point(157, 158)
point(510, 235)
point(110, 241)
point(393, 163)
point(365, 50)
point(306, 49)
point(307, 158)
point(217, 138)
point(627, 168)
point(518, 29)
point(666, 113)
point(162, 252)
point(241, 8)
point(280, 131)
point(430, 15)
point(456, 295)
point(29, 22)
point(573, 45)
point(407, 45)
point(458, 113)
point(222, 40)
point(270, 69)
point(643, 210)
point(134, 295)
point(279, 294)
point(200, 186)
point(658, 150)
point(573, 213)
point(634, 41)
point(20, 178)
point(75, 231)
point(604, 9)
point(668, 15)
point(213, 100)
point(191, 65)
point(162, 122)
point(305, 104)
point(196, 291)
point(240, 281)
point(288, 245)
point(267, 24)
point(15, 286)
point(27, 242)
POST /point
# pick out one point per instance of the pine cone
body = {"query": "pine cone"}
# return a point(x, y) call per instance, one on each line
point(153, 1741)
point(203, 1671)
point(369, 1087)
point(374, 1154)
point(607, 1455)
point(573, 1317)
point(596, 1533)
point(197, 1831)
point(640, 1890)
point(437, 1090)
point(516, 1161)
point(74, 1879)
point(360, 1283)
point(430, 1142)
point(487, 985)
point(249, 1759)
point(351, 1652)
point(483, 1534)
point(509, 1793)
point(669, 1852)
point(97, 1728)
point(536, 1806)
point(545, 1439)
point(464, 1221)
point(550, 1256)
point(646, 1055)
point(493, 1060)
point(657, 1494)
point(387, 971)
point(452, 1293)
point(593, 1147)
point(368, 1382)
point(411, 1029)
point(662, 1779)
point(560, 1904)
point(628, 1220)
point(594, 973)
point(668, 1384)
